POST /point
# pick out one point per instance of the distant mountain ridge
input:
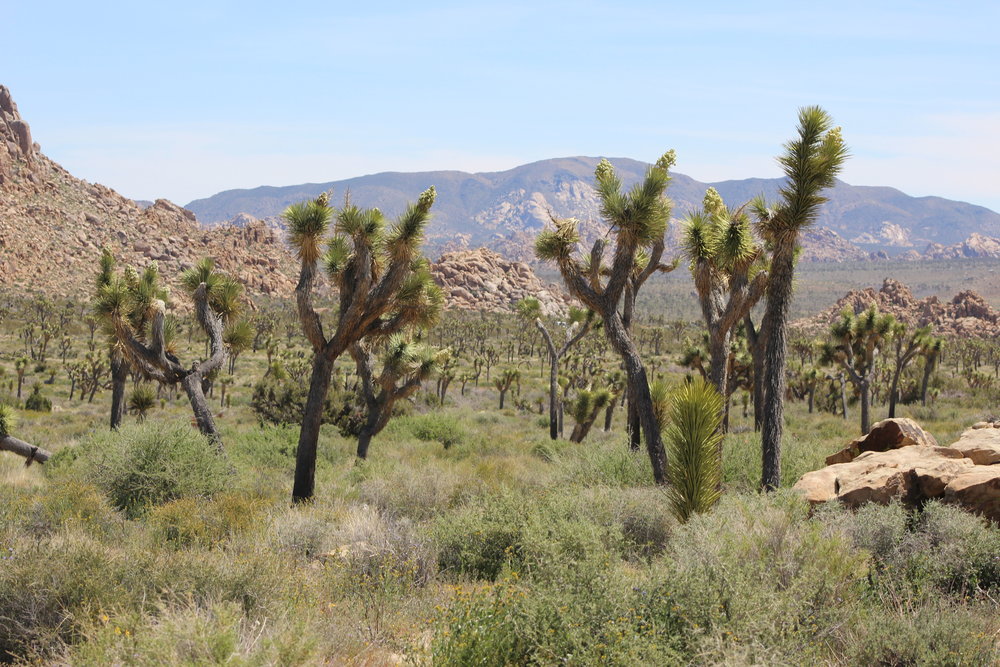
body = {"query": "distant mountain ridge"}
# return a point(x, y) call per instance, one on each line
point(504, 209)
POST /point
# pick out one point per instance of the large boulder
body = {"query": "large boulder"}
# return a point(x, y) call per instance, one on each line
point(904, 462)
point(883, 436)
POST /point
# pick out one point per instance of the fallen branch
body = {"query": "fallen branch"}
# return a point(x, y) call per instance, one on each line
point(22, 448)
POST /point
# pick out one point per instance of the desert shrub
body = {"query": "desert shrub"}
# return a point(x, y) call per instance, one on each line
point(145, 465)
point(479, 540)
point(757, 571)
point(37, 401)
point(607, 463)
point(581, 614)
point(207, 522)
point(71, 503)
point(437, 427)
point(304, 532)
point(936, 633)
point(940, 549)
point(213, 634)
point(281, 400)
point(417, 494)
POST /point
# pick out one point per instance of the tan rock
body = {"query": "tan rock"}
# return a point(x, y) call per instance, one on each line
point(883, 436)
point(978, 491)
point(982, 445)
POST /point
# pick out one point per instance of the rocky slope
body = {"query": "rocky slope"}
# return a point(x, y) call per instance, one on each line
point(482, 279)
point(53, 226)
point(977, 245)
point(966, 315)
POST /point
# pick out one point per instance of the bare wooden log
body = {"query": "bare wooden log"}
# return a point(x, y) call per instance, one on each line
point(21, 448)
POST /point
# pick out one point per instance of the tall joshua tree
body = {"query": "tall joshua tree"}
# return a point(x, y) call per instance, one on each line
point(725, 265)
point(638, 219)
point(384, 287)
point(931, 352)
point(811, 163)
point(148, 351)
point(856, 341)
point(530, 310)
point(405, 365)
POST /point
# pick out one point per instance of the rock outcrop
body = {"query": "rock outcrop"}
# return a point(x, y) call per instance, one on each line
point(483, 280)
point(977, 245)
point(966, 473)
point(966, 315)
point(53, 226)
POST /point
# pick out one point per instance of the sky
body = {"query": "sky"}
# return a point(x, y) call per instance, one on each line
point(185, 99)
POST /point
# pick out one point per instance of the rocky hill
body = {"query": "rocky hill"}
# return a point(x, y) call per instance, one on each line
point(966, 315)
point(500, 209)
point(53, 226)
point(483, 280)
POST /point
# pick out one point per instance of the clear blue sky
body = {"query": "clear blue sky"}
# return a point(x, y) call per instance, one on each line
point(182, 99)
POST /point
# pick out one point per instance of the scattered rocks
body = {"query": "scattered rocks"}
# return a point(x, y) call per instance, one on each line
point(966, 315)
point(913, 469)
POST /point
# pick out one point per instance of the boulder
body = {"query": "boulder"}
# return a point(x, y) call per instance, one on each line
point(977, 491)
point(904, 462)
point(980, 444)
point(885, 435)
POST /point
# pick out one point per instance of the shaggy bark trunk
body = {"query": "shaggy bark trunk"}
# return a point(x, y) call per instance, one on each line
point(894, 392)
point(779, 297)
point(21, 448)
point(119, 376)
point(312, 419)
point(718, 371)
point(199, 406)
point(843, 394)
point(609, 414)
point(633, 421)
point(638, 385)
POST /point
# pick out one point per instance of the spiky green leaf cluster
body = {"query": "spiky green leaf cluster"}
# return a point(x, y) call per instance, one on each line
point(558, 244)
point(307, 223)
point(811, 163)
point(694, 468)
point(238, 336)
point(529, 309)
point(224, 292)
point(8, 420)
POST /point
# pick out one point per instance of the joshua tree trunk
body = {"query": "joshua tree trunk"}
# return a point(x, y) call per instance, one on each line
point(928, 371)
point(864, 387)
point(312, 419)
point(894, 392)
point(21, 448)
point(638, 386)
point(192, 384)
point(609, 413)
point(843, 394)
point(779, 298)
point(119, 376)
point(756, 345)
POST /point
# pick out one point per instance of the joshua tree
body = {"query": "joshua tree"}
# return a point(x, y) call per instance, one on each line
point(693, 437)
point(142, 291)
point(505, 382)
point(638, 220)
point(905, 348)
point(931, 352)
point(384, 286)
point(529, 310)
point(20, 366)
point(141, 401)
point(405, 365)
point(238, 336)
point(855, 345)
point(811, 162)
point(585, 409)
point(148, 351)
point(725, 264)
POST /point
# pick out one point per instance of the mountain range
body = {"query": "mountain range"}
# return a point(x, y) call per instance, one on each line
point(505, 209)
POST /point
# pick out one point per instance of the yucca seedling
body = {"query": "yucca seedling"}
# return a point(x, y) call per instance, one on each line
point(8, 420)
point(141, 401)
point(694, 464)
